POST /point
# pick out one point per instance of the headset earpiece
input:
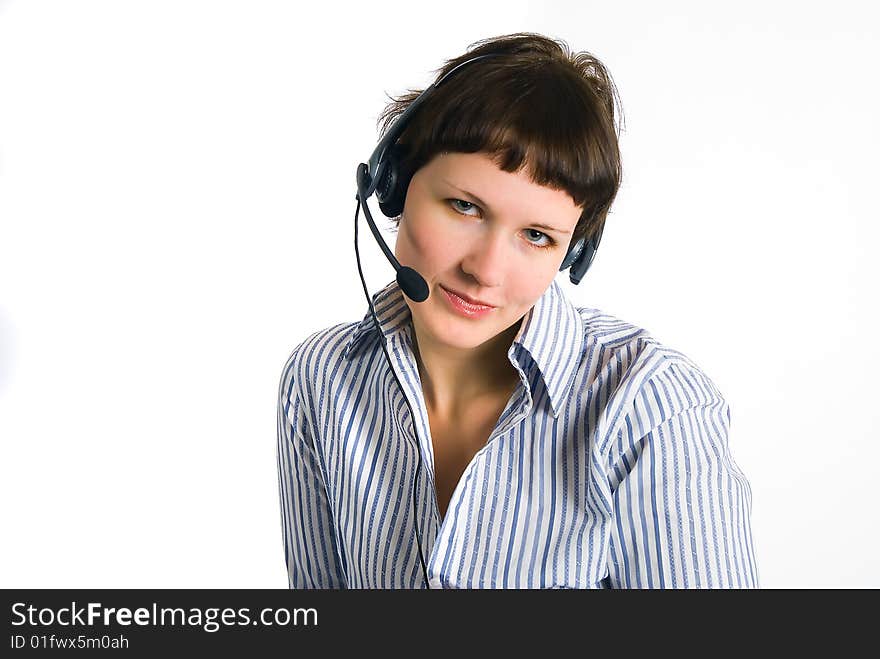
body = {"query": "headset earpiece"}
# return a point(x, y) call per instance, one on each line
point(391, 190)
point(574, 251)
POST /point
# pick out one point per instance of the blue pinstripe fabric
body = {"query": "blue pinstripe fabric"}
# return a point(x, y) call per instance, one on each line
point(609, 467)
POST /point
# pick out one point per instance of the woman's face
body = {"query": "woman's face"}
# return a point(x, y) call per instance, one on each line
point(494, 250)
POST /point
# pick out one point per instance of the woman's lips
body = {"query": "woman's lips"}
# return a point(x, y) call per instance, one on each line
point(463, 307)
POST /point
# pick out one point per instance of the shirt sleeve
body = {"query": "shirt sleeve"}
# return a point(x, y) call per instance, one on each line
point(681, 507)
point(310, 548)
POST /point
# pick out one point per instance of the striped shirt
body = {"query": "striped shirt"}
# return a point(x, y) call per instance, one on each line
point(608, 468)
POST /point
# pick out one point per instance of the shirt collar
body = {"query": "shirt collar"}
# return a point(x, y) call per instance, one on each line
point(551, 336)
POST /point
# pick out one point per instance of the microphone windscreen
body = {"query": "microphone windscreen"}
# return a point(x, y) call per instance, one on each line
point(412, 284)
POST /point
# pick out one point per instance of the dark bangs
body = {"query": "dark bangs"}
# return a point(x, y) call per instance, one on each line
point(537, 108)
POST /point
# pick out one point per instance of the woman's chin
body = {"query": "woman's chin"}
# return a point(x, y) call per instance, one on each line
point(460, 334)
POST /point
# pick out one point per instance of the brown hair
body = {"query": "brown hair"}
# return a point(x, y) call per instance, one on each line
point(539, 106)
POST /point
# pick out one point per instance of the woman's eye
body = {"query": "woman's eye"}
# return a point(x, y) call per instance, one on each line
point(548, 241)
point(468, 205)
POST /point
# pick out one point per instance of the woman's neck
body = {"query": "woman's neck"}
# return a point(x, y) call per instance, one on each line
point(452, 379)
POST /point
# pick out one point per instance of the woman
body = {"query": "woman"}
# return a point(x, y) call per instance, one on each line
point(505, 438)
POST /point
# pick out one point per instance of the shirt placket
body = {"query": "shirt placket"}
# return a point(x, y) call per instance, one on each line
point(522, 401)
point(423, 440)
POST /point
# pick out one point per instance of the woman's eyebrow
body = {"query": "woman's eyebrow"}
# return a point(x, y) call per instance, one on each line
point(484, 205)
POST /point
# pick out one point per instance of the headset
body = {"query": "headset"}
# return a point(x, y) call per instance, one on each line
point(386, 175)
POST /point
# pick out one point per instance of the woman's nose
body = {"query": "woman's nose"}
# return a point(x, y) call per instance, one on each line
point(486, 260)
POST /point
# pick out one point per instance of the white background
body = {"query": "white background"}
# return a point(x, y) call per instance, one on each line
point(176, 214)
